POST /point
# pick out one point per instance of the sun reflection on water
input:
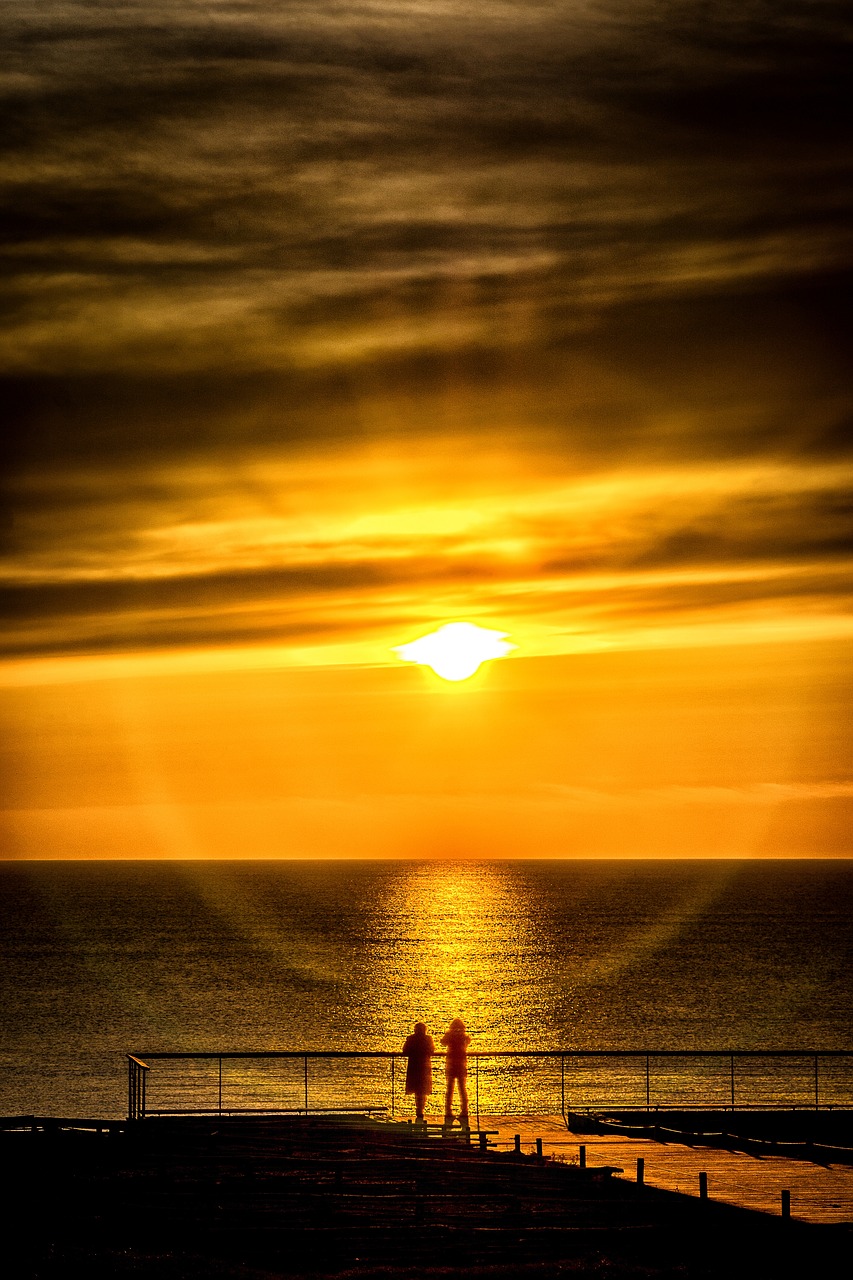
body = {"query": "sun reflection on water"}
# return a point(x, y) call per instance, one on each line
point(459, 928)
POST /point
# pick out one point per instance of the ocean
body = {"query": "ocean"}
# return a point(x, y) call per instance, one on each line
point(108, 958)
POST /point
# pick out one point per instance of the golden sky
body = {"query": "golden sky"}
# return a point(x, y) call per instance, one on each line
point(330, 323)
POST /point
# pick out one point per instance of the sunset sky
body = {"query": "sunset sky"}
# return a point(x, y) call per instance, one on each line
point(329, 323)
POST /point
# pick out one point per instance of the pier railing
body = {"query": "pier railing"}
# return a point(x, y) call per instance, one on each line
point(505, 1082)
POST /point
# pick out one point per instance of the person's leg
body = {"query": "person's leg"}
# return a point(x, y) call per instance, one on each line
point(448, 1098)
point(420, 1099)
point(463, 1098)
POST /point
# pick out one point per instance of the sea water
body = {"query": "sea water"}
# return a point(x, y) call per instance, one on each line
point(104, 959)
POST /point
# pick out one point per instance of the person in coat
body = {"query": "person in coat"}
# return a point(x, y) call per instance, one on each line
point(419, 1049)
point(456, 1041)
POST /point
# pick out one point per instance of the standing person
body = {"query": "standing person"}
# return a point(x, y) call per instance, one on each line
point(419, 1049)
point(456, 1040)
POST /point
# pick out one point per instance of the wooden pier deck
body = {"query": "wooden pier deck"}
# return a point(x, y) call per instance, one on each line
point(287, 1197)
point(821, 1192)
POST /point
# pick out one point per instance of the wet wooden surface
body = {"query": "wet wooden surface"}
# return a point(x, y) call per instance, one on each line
point(819, 1193)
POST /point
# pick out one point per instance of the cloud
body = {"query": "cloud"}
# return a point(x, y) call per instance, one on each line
point(590, 241)
point(361, 541)
point(759, 793)
point(212, 183)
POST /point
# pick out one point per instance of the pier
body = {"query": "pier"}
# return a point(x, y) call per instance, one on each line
point(765, 1130)
point(192, 1197)
point(301, 1164)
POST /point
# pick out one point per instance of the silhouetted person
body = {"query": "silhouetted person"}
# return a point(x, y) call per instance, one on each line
point(456, 1040)
point(419, 1050)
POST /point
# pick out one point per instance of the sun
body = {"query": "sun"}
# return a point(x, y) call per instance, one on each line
point(456, 650)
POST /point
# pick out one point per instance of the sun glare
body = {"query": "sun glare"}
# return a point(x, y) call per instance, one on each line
point(456, 650)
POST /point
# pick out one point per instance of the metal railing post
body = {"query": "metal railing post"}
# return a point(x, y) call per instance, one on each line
point(477, 1088)
point(732, 1078)
point(563, 1089)
point(305, 1066)
point(648, 1087)
point(393, 1098)
point(137, 1072)
point(816, 1085)
point(220, 1086)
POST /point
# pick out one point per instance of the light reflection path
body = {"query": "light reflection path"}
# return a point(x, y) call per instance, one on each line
point(459, 929)
point(528, 955)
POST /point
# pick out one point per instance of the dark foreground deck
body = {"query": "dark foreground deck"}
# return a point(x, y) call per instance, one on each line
point(267, 1197)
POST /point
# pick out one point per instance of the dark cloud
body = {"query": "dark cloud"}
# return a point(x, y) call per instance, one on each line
point(690, 378)
point(675, 604)
point(793, 527)
point(277, 605)
point(256, 130)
